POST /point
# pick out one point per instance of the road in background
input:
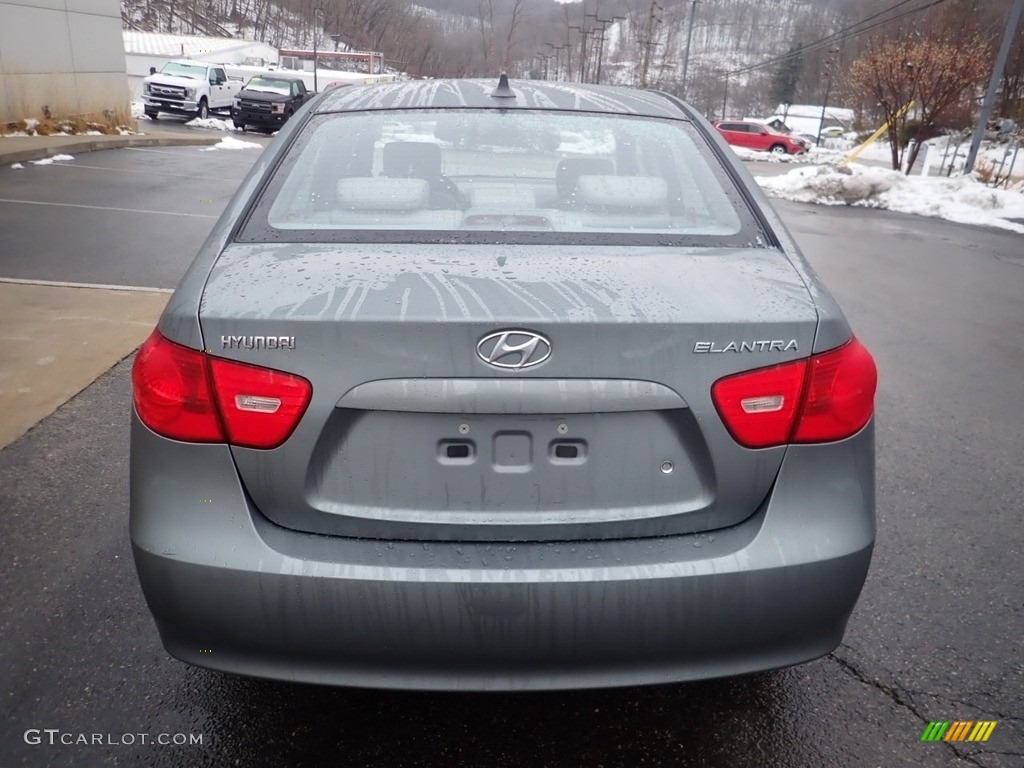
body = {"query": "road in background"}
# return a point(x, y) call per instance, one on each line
point(936, 635)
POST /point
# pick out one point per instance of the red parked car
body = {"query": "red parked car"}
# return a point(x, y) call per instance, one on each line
point(758, 136)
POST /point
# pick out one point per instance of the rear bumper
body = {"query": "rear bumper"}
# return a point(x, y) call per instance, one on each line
point(231, 591)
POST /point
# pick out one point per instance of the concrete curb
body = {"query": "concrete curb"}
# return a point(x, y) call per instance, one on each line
point(27, 148)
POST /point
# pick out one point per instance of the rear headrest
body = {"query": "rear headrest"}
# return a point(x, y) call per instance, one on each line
point(412, 159)
point(633, 193)
point(379, 194)
point(570, 170)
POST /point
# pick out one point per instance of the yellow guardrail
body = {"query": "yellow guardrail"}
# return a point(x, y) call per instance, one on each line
point(885, 126)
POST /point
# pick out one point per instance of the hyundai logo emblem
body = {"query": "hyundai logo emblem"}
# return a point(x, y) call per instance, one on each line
point(513, 349)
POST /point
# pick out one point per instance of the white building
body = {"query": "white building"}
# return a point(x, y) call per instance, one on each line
point(64, 55)
point(806, 118)
point(154, 49)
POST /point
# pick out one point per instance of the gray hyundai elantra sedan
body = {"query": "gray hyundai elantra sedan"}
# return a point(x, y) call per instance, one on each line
point(483, 385)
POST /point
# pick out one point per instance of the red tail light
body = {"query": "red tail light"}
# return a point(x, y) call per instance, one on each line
point(171, 390)
point(821, 399)
point(840, 394)
point(187, 395)
point(759, 407)
point(261, 407)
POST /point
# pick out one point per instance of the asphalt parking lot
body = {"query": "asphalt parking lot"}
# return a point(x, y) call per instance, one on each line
point(937, 634)
point(129, 219)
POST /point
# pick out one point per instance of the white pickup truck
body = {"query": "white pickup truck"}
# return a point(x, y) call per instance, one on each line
point(193, 88)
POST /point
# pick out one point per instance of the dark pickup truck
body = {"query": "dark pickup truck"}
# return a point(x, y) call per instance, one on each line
point(267, 101)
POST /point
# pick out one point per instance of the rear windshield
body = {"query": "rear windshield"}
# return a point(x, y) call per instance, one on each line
point(270, 85)
point(500, 176)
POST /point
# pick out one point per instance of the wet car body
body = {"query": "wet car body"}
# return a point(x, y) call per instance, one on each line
point(491, 429)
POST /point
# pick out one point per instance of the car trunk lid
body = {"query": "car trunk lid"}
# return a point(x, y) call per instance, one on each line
point(412, 434)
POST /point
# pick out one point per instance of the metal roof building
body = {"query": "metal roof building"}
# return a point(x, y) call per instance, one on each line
point(66, 56)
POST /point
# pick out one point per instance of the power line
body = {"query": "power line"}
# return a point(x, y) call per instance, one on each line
point(872, 17)
point(843, 34)
point(840, 35)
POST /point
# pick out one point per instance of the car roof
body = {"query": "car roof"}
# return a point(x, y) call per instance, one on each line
point(276, 76)
point(476, 94)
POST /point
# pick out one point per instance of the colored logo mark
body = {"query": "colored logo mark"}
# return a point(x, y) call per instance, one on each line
point(958, 730)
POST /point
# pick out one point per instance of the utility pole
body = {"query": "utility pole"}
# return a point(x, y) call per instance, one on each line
point(993, 84)
point(583, 49)
point(568, 56)
point(604, 24)
point(689, 40)
point(583, 54)
point(725, 98)
point(557, 51)
point(591, 34)
point(318, 15)
point(828, 87)
point(653, 20)
point(827, 74)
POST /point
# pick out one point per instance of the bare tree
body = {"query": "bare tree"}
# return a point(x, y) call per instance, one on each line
point(518, 12)
point(1011, 94)
point(485, 21)
point(647, 40)
point(934, 73)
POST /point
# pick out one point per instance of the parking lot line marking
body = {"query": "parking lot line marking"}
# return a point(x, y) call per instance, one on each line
point(145, 173)
point(61, 284)
point(109, 208)
point(162, 152)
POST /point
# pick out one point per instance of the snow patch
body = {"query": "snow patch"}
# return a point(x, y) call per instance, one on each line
point(833, 185)
point(229, 142)
point(213, 123)
point(768, 157)
point(17, 166)
point(963, 200)
point(51, 160)
point(813, 156)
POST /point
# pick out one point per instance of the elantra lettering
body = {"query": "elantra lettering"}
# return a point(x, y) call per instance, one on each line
point(768, 345)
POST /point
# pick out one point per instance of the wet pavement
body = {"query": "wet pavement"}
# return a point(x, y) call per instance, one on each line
point(124, 222)
point(936, 635)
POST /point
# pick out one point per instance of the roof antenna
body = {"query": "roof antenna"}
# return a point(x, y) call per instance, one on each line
point(502, 91)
